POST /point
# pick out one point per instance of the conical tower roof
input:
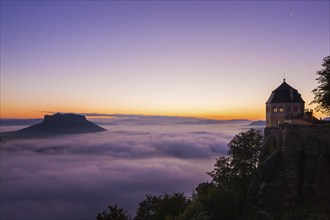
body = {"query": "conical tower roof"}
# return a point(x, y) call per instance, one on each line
point(285, 93)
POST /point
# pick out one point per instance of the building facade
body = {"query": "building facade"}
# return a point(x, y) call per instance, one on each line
point(284, 105)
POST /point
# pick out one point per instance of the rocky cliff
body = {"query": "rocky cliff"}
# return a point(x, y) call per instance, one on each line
point(294, 172)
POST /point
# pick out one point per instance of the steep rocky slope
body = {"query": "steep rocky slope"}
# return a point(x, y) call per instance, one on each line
point(294, 172)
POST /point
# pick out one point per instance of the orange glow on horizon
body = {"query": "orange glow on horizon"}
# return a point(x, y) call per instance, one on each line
point(19, 113)
point(250, 115)
point(24, 112)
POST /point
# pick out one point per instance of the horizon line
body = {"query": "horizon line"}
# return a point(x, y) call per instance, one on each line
point(107, 115)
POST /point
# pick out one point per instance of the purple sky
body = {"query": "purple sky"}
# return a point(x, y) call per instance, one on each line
point(165, 57)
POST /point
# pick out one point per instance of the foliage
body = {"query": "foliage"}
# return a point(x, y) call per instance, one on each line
point(322, 92)
point(302, 212)
point(224, 197)
point(237, 168)
point(165, 207)
point(114, 213)
point(218, 202)
point(195, 211)
point(223, 172)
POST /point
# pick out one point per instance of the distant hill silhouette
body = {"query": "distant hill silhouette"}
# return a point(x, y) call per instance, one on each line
point(62, 124)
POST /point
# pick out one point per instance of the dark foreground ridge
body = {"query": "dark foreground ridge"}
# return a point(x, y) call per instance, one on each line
point(294, 175)
point(62, 124)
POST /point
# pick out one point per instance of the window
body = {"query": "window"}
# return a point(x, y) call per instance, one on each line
point(274, 109)
point(288, 109)
point(280, 109)
point(295, 108)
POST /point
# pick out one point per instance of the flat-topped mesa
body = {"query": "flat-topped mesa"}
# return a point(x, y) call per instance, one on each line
point(59, 118)
point(63, 124)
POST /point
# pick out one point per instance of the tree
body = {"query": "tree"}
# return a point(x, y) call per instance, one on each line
point(224, 198)
point(237, 168)
point(244, 150)
point(114, 213)
point(212, 202)
point(222, 173)
point(164, 207)
point(322, 92)
point(147, 208)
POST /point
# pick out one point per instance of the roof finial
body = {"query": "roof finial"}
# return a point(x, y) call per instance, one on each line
point(283, 77)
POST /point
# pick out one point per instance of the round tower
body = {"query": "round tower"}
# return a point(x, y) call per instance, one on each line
point(285, 103)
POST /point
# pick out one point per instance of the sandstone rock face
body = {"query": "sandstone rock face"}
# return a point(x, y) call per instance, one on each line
point(295, 169)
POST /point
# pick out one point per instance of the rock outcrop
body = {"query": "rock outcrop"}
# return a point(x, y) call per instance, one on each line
point(294, 171)
point(62, 124)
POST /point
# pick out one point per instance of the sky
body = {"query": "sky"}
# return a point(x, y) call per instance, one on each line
point(77, 176)
point(213, 59)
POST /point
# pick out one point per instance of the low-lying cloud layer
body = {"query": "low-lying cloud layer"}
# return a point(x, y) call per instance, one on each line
point(74, 177)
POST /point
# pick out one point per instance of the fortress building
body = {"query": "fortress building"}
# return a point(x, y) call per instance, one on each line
point(294, 166)
point(285, 105)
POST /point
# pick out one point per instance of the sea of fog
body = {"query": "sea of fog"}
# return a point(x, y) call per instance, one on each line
point(77, 176)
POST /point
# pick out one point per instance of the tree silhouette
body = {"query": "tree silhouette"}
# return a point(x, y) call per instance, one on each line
point(211, 202)
point(237, 168)
point(224, 197)
point(164, 207)
point(322, 92)
point(114, 213)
